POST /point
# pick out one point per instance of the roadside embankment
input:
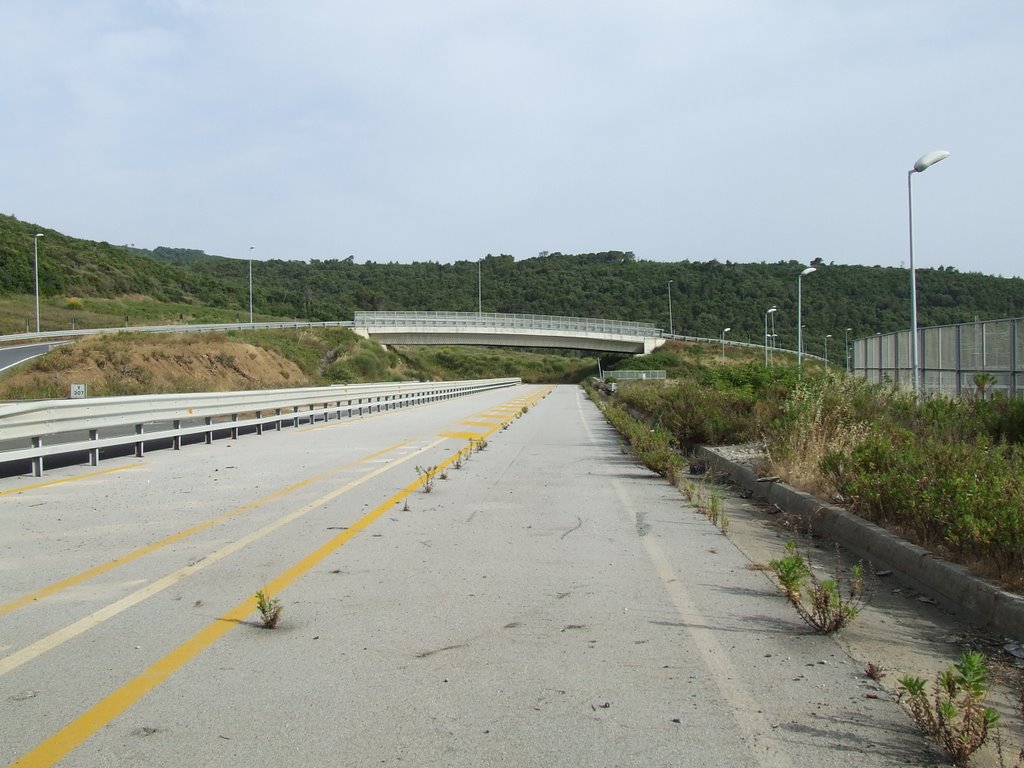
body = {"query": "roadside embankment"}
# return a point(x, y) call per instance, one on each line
point(950, 584)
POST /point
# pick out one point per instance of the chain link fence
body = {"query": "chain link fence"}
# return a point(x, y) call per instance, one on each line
point(952, 356)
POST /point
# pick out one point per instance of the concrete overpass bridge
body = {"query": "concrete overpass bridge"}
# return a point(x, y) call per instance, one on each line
point(504, 330)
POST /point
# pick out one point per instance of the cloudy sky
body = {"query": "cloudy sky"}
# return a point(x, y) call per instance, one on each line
point(405, 130)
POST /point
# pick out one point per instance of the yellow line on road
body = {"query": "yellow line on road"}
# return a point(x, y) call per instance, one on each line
point(463, 435)
point(62, 743)
point(79, 578)
point(61, 636)
point(48, 483)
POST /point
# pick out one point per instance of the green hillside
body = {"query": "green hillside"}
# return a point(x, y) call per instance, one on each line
point(706, 296)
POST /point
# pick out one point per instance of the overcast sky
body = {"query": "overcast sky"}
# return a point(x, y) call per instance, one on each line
point(757, 130)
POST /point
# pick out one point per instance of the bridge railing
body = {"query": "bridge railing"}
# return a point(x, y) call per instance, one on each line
point(504, 321)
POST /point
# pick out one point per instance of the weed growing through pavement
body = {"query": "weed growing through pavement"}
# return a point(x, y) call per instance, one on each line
point(955, 716)
point(874, 671)
point(269, 608)
point(427, 475)
point(826, 605)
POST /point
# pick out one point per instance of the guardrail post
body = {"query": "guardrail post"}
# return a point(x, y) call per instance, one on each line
point(337, 413)
point(277, 412)
point(140, 448)
point(37, 461)
point(176, 440)
point(94, 453)
point(259, 422)
point(209, 432)
point(295, 417)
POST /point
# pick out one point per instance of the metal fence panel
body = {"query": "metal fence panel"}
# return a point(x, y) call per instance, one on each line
point(955, 360)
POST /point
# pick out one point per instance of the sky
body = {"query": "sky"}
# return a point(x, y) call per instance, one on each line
point(407, 130)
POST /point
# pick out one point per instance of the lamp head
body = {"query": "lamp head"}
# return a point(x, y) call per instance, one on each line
point(924, 162)
point(772, 309)
point(726, 330)
point(40, 234)
point(808, 271)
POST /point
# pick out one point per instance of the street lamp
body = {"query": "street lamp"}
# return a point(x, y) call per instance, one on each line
point(250, 283)
point(923, 164)
point(671, 330)
point(827, 337)
point(846, 346)
point(771, 310)
point(479, 291)
point(799, 314)
point(36, 249)
point(724, 331)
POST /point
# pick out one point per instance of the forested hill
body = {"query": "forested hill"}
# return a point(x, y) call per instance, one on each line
point(706, 296)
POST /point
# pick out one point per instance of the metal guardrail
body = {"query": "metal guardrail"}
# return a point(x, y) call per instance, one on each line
point(498, 320)
point(55, 427)
point(635, 375)
point(200, 328)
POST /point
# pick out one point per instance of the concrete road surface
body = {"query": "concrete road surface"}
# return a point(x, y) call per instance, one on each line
point(550, 603)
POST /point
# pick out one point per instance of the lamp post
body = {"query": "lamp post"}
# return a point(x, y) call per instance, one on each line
point(36, 250)
point(771, 311)
point(846, 346)
point(923, 164)
point(724, 331)
point(827, 337)
point(799, 316)
point(671, 330)
point(250, 283)
point(479, 290)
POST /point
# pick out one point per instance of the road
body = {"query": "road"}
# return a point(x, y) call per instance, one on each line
point(12, 356)
point(549, 603)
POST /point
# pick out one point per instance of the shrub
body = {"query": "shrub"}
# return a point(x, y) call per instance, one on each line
point(956, 717)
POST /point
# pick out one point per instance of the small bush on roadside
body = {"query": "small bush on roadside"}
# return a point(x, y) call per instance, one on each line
point(955, 717)
point(826, 605)
point(270, 609)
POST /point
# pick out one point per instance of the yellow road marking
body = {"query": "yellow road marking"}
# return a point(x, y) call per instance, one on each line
point(79, 578)
point(480, 423)
point(48, 483)
point(51, 641)
point(463, 435)
point(62, 743)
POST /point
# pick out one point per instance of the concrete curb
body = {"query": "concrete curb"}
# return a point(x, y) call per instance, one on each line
point(984, 604)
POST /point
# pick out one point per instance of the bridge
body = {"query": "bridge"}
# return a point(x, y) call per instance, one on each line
point(496, 329)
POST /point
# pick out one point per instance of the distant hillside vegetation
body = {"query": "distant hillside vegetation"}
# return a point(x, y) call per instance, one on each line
point(706, 296)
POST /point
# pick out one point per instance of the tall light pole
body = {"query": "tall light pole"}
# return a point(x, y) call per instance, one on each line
point(771, 311)
point(846, 347)
point(36, 249)
point(799, 315)
point(827, 337)
point(724, 331)
point(671, 330)
point(479, 290)
point(923, 164)
point(250, 283)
